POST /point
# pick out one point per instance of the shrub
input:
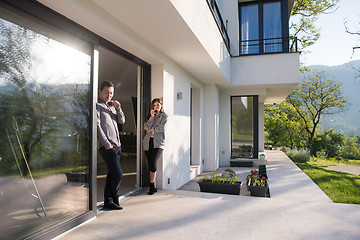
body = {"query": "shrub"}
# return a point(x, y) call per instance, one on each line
point(298, 155)
point(350, 149)
point(321, 154)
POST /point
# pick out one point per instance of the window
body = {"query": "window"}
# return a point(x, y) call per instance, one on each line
point(272, 27)
point(261, 27)
point(244, 127)
point(45, 126)
point(249, 29)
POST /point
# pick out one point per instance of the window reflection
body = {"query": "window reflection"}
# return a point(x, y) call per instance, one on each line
point(249, 29)
point(242, 130)
point(44, 134)
point(260, 29)
point(272, 27)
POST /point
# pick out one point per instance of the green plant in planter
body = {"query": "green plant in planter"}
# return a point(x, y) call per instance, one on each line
point(232, 179)
point(254, 174)
point(258, 182)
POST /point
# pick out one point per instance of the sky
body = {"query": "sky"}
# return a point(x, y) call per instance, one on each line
point(335, 46)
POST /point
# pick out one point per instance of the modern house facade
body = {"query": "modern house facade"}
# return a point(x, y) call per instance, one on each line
point(215, 64)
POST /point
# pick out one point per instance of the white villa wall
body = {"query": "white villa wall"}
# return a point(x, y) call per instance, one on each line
point(202, 23)
point(229, 11)
point(266, 69)
point(168, 80)
point(225, 129)
point(261, 127)
point(206, 59)
point(211, 139)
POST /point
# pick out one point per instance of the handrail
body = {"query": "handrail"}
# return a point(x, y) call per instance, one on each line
point(269, 45)
point(222, 27)
point(278, 45)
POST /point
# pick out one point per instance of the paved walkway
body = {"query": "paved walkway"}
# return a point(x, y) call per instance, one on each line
point(355, 170)
point(297, 209)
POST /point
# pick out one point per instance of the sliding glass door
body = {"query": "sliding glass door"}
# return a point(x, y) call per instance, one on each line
point(244, 127)
point(45, 127)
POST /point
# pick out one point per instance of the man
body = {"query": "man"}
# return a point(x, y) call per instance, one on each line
point(109, 114)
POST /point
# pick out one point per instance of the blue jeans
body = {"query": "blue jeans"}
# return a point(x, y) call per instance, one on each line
point(114, 175)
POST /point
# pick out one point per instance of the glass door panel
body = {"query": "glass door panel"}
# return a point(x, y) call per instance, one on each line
point(125, 76)
point(242, 127)
point(249, 29)
point(45, 127)
point(272, 27)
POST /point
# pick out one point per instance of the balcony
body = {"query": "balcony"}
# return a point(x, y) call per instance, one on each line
point(268, 46)
point(220, 22)
point(277, 74)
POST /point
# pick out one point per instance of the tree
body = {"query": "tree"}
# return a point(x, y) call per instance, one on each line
point(303, 17)
point(352, 31)
point(283, 127)
point(26, 107)
point(329, 142)
point(351, 149)
point(355, 32)
point(316, 96)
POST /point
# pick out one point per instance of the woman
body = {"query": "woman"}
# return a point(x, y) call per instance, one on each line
point(154, 140)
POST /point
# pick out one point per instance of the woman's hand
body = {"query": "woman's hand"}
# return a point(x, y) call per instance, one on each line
point(154, 112)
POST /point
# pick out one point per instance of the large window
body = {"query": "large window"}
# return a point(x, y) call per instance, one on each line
point(249, 29)
point(261, 27)
point(45, 122)
point(244, 127)
point(272, 27)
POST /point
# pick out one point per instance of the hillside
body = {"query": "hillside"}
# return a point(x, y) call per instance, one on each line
point(347, 122)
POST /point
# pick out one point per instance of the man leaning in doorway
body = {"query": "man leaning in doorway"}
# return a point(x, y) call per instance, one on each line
point(109, 114)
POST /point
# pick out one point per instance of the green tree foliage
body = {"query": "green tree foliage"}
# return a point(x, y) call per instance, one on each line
point(295, 121)
point(283, 127)
point(328, 142)
point(351, 149)
point(316, 96)
point(303, 17)
point(28, 108)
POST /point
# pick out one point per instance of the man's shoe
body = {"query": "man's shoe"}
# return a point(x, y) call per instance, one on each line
point(112, 206)
point(116, 201)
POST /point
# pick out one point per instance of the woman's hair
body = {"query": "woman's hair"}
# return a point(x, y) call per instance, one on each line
point(153, 105)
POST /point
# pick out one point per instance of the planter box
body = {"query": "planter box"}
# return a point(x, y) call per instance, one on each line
point(241, 163)
point(258, 191)
point(224, 188)
point(262, 171)
point(76, 177)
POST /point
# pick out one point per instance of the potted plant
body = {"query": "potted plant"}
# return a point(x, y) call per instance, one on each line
point(258, 186)
point(78, 175)
point(227, 183)
point(254, 174)
point(262, 171)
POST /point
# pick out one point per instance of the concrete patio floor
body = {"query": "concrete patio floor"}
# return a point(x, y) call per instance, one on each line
point(297, 209)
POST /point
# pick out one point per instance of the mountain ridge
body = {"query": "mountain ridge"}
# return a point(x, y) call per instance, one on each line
point(347, 122)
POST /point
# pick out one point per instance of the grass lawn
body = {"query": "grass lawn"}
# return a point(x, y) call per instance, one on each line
point(340, 187)
point(334, 162)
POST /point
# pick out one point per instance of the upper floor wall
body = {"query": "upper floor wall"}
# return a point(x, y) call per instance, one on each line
point(183, 31)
